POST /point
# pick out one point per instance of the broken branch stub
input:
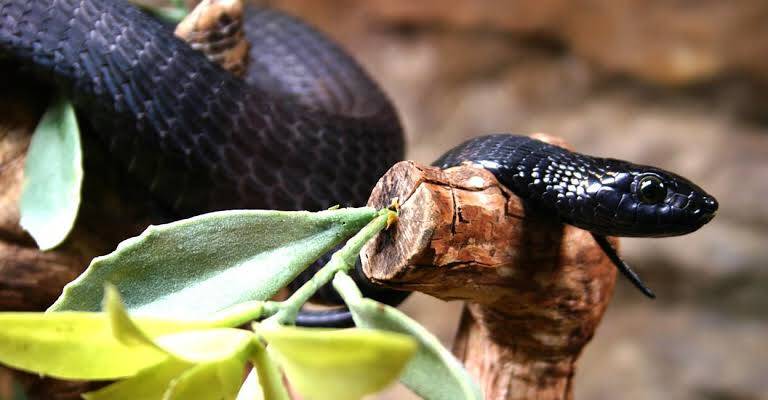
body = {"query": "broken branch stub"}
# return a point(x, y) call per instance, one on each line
point(536, 289)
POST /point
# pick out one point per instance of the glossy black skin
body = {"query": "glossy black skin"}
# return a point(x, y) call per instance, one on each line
point(305, 130)
point(600, 195)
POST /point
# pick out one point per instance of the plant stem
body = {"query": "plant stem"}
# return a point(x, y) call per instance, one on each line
point(268, 374)
point(347, 288)
point(239, 314)
point(342, 260)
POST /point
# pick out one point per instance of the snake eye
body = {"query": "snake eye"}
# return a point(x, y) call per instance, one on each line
point(651, 190)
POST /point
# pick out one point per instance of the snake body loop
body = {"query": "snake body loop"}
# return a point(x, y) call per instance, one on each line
point(201, 139)
point(306, 128)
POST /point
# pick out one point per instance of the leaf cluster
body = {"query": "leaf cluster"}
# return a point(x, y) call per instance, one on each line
point(162, 316)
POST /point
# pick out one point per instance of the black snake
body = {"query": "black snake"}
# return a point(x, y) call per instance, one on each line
point(305, 129)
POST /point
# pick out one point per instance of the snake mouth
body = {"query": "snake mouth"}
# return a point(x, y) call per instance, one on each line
point(705, 218)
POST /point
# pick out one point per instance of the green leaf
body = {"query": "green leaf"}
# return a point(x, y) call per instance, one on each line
point(207, 344)
point(179, 379)
point(433, 373)
point(70, 345)
point(140, 330)
point(149, 384)
point(190, 341)
point(219, 356)
point(202, 363)
point(123, 328)
point(341, 260)
point(88, 345)
point(219, 379)
point(338, 364)
point(192, 268)
point(53, 175)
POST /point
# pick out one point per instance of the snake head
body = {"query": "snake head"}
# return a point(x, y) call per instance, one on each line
point(647, 201)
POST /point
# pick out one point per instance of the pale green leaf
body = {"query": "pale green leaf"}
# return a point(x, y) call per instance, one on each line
point(433, 373)
point(53, 175)
point(70, 345)
point(149, 384)
point(194, 267)
point(338, 364)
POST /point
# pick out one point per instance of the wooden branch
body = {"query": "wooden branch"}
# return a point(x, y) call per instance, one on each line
point(536, 289)
point(215, 27)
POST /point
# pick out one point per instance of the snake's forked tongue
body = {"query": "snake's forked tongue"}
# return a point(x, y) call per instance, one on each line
point(622, 266)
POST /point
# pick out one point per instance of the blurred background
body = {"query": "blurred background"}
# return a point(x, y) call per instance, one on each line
point(676, 83)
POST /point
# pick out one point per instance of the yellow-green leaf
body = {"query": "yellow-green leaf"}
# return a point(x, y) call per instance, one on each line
point(433, 373)
point(190, 341)
point(201, 364)
point(338, 364)
point(208, 344)
point(218, 380)
point(123, 328)
point(70, 345)
point(150, 384)
point(53, 175)
point(139, 331)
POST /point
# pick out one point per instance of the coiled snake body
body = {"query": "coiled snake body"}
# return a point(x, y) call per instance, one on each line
point(305, 129)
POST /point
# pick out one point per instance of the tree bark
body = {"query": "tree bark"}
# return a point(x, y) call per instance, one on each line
point(535, 289)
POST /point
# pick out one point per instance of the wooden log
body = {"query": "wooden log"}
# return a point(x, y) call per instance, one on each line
point(535, 289)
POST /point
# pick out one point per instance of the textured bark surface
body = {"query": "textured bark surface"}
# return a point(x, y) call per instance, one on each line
point(536, 289)
point(215, 28)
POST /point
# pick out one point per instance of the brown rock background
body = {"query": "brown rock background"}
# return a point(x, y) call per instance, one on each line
point(675, 83)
